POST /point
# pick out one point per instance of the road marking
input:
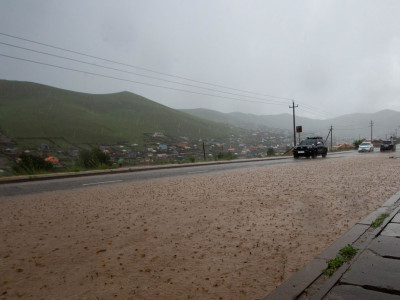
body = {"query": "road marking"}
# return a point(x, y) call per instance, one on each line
point(102, 182)
point(196, 172)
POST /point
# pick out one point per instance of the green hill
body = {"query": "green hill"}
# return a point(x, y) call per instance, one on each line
point(29, 110)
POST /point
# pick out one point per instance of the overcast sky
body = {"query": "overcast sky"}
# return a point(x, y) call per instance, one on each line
point(331, 57)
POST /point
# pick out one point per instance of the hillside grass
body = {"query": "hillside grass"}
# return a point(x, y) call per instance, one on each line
point(29, 110)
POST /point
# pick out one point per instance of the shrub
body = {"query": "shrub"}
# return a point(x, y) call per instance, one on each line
point(31, 164)
point(357, 143)
point(378, 222)
point(348, 252)
point(226, 156)
point(91, 159)
point(345, 255)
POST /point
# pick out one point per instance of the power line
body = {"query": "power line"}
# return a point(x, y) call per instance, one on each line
point(337, 128)
point(343, 119)
point(140, 68)
point(133, 81)
point(310, 107)
point(133, 73)
point(324, 115)
point(312, 112)
point(352, 128)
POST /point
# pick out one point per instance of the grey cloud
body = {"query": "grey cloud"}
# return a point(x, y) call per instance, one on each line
point(336, 56)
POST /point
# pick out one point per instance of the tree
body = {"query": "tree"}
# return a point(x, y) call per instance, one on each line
point(271, 152)
point(357, 143)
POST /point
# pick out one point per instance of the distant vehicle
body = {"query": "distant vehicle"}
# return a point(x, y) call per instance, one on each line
point(310, 147)
point(388, 146)
point(366, 147)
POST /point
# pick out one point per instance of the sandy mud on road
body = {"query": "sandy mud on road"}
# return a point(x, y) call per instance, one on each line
point(226, 235)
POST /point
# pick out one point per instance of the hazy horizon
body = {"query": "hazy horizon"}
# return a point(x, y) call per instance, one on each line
point(331, 57)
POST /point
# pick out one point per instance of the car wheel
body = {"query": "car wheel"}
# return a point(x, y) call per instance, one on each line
point(314, 155)
point(295, 156)
point(324, 155)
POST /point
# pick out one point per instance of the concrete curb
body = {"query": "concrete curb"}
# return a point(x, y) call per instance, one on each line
point(16, 179)
point(361, 244)
point(309, 282)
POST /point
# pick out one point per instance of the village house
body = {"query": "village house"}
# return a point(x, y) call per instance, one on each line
point(105, 149)
point(158, 134)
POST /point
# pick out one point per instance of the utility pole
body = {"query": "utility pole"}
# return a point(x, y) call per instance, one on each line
point(294, 123)
point(371, 124)
point(329, 133)
point(204, 152)
point(331, 137)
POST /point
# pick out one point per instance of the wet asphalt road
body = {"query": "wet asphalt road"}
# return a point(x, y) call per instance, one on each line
point(23, 188)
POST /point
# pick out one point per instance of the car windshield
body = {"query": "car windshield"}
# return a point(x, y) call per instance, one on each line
point(308, 142)
point(365, 144)
point(386, 142)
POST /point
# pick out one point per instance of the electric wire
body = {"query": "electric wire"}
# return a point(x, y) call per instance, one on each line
point(311, 112)
point(140, 68)
point(359, 128)
point(133, 73)
point(158, 86)
point(321, 113)
point(325, 114)
point(137, 82)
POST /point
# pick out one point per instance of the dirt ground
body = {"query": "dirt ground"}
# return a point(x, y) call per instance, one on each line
point(226, 235)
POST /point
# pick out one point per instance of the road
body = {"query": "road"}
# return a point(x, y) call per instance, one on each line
point(23, 188)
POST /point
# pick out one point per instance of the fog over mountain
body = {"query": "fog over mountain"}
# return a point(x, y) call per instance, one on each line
point(385, 123)
point(333, 57)
point(45, 111)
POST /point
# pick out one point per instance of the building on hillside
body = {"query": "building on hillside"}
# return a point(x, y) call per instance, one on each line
point(105, 149)
point(44, 147)
point(345, 146)
point(54, 160)
point(158, 134)
point(73, 153)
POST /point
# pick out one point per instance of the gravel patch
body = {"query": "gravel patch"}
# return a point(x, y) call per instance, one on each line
point(225, 235)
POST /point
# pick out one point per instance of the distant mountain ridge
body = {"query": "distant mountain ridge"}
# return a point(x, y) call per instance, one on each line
point(29, 110)
point(34, 110)
point(350, 126)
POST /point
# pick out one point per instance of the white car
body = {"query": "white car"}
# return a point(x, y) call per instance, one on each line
point(366, 147)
